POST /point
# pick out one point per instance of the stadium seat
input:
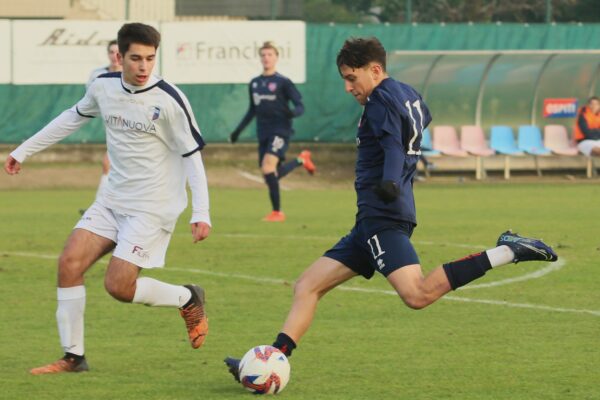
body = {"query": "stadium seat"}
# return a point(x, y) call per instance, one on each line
point(446, 140)
point(427, 146)
point(557, 139)
point(530, 141)
point(472, 139)
point(502, 141)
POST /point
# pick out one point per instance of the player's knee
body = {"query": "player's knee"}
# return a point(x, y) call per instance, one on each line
point(303, 287)
point(118, 290)
point(69, 267)
point(267, 169)
point(416, 300)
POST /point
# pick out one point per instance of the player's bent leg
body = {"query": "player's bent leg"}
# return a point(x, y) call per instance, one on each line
point(120, 279)
point(417, 291)
point(596, 152)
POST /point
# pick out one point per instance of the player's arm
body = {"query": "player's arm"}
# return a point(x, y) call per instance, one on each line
point(388, 131)
point(59, 128)
point(196, 177)
point(294, 95)
point(233, 137)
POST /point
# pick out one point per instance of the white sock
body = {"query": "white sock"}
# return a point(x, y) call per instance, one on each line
point(151, 292)
point(102, 185)
point(69, 316)
point(500, 255)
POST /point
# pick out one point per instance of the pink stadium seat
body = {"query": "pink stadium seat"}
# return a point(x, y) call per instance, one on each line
point(472, 139)
point(557, 139)
point(445, 140)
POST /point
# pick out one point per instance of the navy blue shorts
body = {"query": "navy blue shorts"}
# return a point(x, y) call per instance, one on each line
point(276, 145)
point(376, 245)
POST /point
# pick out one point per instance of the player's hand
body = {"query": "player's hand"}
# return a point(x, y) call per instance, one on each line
point(12, 166)
point(200, 231)
point(387, 191)
point(233, 137)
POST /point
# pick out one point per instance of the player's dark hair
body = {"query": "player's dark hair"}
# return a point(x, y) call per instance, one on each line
point(136, 32)
point(269, 45)
point(359, 52)
point(111, 43)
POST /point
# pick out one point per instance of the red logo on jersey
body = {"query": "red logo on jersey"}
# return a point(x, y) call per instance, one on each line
point(272, 86)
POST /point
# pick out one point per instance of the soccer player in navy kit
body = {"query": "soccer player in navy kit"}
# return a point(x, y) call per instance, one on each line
point(270, 95)
point(388, 142)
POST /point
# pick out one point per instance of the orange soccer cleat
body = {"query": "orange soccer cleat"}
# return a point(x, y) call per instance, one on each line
point(195, 318)
point(307, 162)
point(275, 216)
point(65, 364)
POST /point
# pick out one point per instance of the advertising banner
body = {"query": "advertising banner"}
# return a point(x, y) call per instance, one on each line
point(227, 52)
point(59, 51)
point(5, 65)
point(560, 108)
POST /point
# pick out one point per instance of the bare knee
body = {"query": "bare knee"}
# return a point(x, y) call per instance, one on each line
point(596, 151)
point(70, 269)
point(304, 288)
point(418, 299)
point(122, 291)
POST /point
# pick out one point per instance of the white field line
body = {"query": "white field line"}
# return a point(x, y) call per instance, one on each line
point(251, 278)
point(258, 179)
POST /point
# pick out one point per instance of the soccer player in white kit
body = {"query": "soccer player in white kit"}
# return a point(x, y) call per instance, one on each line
point(154, 147)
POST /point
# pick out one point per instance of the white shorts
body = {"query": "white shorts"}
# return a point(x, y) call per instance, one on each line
point(139, 241)
point(586, 146)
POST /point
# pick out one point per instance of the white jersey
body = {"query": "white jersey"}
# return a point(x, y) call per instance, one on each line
point(149, 131)
point(96, 73)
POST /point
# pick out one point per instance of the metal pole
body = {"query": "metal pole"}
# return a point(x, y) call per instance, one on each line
point(273, 6)
point(127, 10)
point(408, 11)
point(548, 11)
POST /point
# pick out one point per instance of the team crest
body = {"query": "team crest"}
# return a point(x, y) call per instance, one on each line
point(155, 113)
point(272, 86)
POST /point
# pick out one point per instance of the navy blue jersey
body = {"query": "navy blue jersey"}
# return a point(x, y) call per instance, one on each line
point(270, 98)
point(389, 145)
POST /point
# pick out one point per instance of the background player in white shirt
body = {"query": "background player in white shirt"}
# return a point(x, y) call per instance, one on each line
point(112, 51)
point(154, 147)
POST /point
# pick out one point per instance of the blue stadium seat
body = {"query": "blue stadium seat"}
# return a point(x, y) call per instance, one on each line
point(503, 141)
point(530, 141)
point(427, 145)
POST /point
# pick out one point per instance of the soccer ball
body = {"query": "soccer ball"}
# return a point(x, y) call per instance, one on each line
point(264, 370)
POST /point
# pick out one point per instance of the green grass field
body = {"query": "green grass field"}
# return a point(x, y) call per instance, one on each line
point(534, 337)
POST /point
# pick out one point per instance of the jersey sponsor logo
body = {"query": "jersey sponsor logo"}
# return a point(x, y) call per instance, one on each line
point(357, 141)
point(155, 113)
point(118, 122)
point(560, 108)
point(272, 86)
point(257, 98)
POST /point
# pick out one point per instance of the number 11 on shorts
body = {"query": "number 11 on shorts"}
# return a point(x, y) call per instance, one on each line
point(375, 247)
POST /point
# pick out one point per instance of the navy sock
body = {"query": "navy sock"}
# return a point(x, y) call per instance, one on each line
point(285, 344)
point(465, 270)
point(286, 168)
point(273, 184)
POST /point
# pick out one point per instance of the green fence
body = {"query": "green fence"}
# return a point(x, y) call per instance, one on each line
point(461, 88)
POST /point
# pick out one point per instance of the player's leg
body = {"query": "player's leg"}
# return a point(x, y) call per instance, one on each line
point(418, 291)
point(322, 276)
point(304, 159)
point(82, 250)
point(270, 156)
point(142, 244)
